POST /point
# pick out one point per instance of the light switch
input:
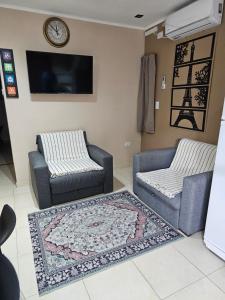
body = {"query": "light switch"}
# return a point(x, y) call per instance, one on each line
point(163, 83)
point(157, 105)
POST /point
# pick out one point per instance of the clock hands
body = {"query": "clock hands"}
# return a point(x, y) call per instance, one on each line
point(55, 29)
point(52, 27)
point(56, 32)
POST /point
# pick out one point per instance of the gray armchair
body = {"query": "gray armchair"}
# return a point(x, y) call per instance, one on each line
point(52, 191)
point(187, 210)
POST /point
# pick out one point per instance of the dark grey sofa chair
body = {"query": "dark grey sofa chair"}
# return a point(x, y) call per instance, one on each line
point(187, 211)
point(52, 191)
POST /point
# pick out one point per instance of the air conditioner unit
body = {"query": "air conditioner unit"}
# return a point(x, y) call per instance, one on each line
point(196, 17)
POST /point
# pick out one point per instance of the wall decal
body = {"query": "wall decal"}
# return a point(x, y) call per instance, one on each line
point(199, 96)
point(204, 47)
point(200, 74)
point(189, 119)
point(191, 79)
point(9, 73)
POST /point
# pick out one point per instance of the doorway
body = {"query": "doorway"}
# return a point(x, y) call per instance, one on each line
point(5, 144)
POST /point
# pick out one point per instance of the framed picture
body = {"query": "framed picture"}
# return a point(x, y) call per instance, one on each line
point(193, 119)
point(191, 83)
point(204, 48)
point(9, 73)
point(197, 96)
point(194, 74)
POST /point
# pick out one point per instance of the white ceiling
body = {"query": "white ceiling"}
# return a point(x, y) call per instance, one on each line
point(117, 12)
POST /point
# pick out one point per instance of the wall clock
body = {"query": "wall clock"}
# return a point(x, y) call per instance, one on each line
point(56, 32)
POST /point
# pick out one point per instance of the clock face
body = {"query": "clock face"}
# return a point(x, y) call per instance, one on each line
point(56, 32)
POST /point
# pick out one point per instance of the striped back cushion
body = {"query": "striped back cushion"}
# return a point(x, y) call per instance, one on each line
point(65, 145)
point(194, 157)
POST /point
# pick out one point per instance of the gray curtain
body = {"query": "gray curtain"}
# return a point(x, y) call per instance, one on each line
point(146, 95)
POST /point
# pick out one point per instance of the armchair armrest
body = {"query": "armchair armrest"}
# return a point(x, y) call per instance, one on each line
point(153, 159)
point(194, 202)
point(105, 160)
point(40, 178)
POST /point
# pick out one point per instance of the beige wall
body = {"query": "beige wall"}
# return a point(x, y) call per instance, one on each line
point(108, 116)
point(166, 136)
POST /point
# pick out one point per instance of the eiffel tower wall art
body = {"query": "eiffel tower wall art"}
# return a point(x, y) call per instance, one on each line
point(191, 83)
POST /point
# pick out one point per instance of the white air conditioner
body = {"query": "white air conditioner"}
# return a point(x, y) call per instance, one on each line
point(196, 17)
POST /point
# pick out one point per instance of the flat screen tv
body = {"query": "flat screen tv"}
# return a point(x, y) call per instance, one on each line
point(54, 73)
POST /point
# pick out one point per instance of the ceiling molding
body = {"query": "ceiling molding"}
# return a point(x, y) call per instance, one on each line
point(51, 13)
point(154, 24)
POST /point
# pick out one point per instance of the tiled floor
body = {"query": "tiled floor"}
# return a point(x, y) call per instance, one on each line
point(181, 270)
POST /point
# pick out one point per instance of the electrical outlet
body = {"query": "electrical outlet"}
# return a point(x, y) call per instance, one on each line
point(157, 105)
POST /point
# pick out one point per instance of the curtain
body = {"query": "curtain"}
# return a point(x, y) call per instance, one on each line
point(146, 95)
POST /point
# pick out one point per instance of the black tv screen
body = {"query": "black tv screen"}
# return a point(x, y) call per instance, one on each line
point(54, 73)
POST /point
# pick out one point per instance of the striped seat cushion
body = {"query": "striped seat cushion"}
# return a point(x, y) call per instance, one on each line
point(64, 167)
point(66, 153)
point(191, 158)
point(167, 181)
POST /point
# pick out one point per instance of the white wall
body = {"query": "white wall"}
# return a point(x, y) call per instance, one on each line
point(108, 116)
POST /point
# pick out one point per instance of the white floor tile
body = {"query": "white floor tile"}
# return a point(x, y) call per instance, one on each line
point(124, 175)
point(7, 200)
point(201, 290)
point(22, 216)
point(22, 296)
point(198, 235)
point(25, 200)
point(6, 191)
point(218, 278)
point(167, 270)
point(122, 282)
point(24, 245)
point(73, 291)
point(23, 189)
point(129, 187)
point(194, 249)
point(14, 261)
point(6, 182)
point(6, 177)
point(117, 185)
point(27, 275)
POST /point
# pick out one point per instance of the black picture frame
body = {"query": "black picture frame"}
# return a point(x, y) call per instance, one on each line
point(176, 60)
point(12, 73)
point(206, 87)
point(183, 127)
point(209, 62)
point(196, 79)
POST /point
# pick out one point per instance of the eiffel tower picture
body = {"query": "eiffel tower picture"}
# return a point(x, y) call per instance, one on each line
point(190, 91)
point(186, 113)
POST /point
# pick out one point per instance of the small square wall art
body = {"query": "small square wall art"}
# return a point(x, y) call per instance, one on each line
point(7, 67)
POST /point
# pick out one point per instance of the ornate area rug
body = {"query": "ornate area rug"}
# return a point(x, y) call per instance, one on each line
point(77, 239)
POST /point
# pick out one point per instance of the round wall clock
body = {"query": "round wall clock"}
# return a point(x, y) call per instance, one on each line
point(56, 32)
